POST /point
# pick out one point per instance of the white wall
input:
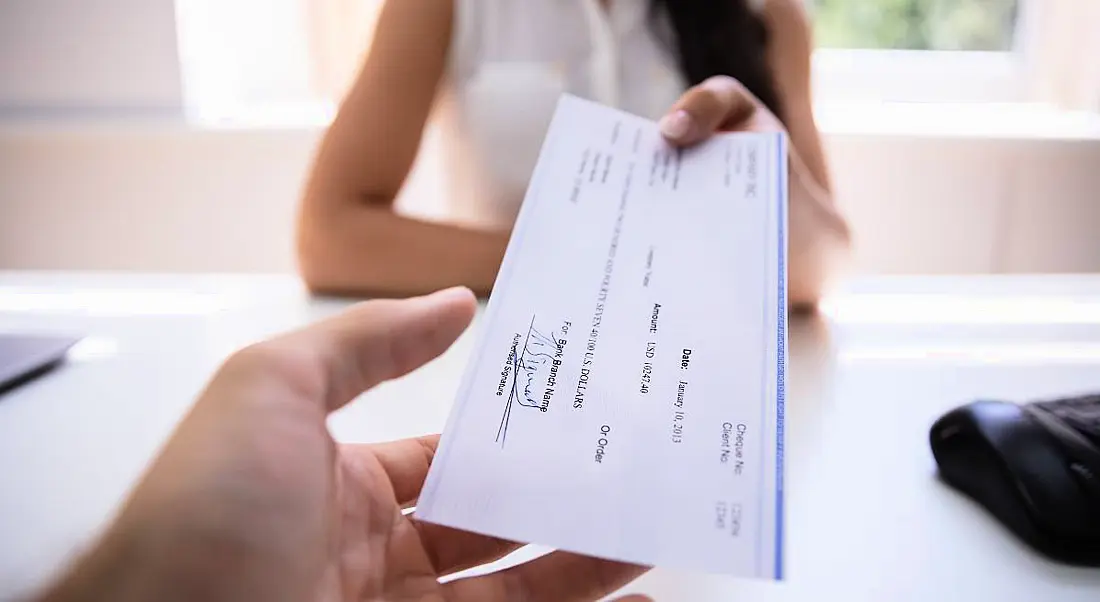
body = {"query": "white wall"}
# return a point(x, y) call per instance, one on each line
point(172, 198)
point(150, 198)
point(65, 58)
point(943, 205)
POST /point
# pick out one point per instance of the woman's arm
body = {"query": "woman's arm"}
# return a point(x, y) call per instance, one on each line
point(819, 234)
point(350, 241)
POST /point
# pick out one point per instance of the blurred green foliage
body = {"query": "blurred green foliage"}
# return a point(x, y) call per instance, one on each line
point(915, 24)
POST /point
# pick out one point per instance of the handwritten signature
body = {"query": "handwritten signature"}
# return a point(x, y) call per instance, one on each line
point(537, 352)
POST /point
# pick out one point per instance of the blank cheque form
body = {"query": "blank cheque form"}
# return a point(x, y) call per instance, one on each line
point(625, 398)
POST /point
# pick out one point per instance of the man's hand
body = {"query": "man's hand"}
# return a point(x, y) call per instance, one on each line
point(251, 499)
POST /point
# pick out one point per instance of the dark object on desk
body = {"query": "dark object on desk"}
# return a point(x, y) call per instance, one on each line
point(26, 357)
point(1035, 467)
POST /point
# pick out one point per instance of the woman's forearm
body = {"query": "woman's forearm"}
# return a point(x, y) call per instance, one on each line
point(819, 237)
point(370, 250)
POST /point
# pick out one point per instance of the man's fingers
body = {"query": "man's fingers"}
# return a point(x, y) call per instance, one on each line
point(451, 550)
point(380, 340)
point(375, 341)
point(405, 462)
point(555, 577)
point(718, 103)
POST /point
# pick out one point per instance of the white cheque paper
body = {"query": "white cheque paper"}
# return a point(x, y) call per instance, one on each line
point(625, 399)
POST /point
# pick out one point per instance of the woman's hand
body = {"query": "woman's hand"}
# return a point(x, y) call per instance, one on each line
point(819, 235)
point(719, 104)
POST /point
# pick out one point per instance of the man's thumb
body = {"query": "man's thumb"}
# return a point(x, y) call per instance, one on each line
point(376, 341)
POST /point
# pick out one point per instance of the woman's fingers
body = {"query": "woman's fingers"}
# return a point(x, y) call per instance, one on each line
point(719, 103)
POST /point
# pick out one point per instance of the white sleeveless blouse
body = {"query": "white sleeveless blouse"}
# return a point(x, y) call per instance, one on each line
point(509, 62)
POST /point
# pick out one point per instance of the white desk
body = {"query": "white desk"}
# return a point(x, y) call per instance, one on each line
point(867, 518)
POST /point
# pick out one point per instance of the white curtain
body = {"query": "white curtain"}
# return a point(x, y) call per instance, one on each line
point(339, 34)
point(1062, 44)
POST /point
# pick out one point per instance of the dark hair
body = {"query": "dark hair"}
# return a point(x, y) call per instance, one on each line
point(719, 37)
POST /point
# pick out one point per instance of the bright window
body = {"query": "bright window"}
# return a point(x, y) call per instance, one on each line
point(920, 50)
point(256, 58)
point(958, 25)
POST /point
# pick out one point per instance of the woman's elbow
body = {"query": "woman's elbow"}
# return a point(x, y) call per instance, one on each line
point(816, 265)
point(314, 259)
point(319, 251)
point(342, 248)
